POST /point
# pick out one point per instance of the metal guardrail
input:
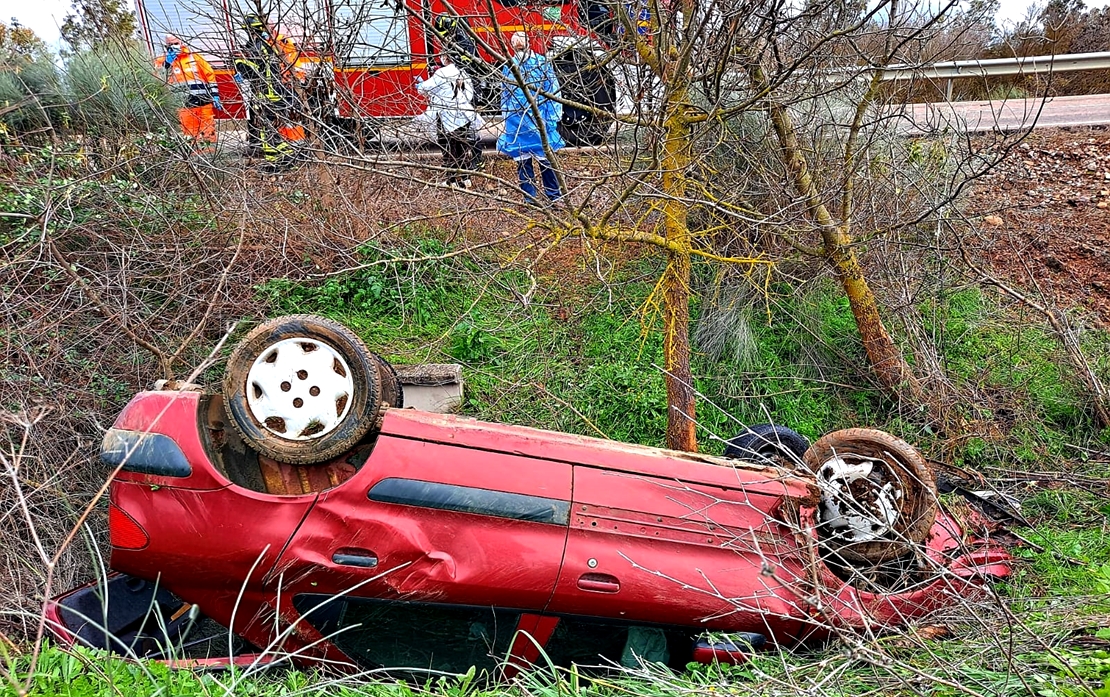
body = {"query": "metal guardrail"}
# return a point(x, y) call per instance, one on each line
point(991, 67)
point(994, 67)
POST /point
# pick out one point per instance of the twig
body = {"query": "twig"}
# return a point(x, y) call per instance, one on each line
point(102, 307)
point(570, 406)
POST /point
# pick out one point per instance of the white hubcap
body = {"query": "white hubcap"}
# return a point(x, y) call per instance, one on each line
point(299, 389)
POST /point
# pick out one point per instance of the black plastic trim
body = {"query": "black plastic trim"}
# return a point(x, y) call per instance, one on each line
point(467, 499)
point(144, 453)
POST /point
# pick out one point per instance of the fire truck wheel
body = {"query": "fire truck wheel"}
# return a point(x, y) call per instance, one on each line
point(878, 496)
point(302, 389)
point(583, 80)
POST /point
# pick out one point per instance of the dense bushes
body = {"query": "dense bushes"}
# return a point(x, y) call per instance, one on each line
point(102, 94)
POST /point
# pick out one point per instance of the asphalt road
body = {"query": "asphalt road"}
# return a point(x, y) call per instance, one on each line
point(1009, 115)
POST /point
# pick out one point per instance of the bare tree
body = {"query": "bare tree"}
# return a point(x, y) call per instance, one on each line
point(687, 78)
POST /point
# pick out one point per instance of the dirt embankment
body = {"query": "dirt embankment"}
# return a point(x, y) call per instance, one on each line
point(1046, 217)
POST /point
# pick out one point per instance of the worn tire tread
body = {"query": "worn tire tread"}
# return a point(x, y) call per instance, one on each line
point(913, 471)
point(361, 416)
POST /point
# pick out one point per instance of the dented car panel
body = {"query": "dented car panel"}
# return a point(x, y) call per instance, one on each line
point(199, 540)
point(497, 530)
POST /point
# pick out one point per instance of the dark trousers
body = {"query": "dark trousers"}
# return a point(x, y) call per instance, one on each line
point(527, 175)
point(274, 130)
point(461, 153)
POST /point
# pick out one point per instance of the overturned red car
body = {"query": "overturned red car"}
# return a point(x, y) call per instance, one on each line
point(302, 508)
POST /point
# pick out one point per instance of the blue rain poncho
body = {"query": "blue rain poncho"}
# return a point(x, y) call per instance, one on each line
point(522, 136)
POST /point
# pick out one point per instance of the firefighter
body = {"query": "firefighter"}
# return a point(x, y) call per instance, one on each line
point(457, 42)
point(295, 65)
point(599, 17)
point(273, 107)
point(456, 38)
point(190, 76)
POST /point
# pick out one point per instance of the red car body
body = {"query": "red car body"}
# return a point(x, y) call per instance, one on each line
point(451, 514)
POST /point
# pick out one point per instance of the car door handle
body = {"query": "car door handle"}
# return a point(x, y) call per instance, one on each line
point(361, 558)
point(599, 583)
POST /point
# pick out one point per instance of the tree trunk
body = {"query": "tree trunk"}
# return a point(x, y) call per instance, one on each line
point(886, 358)
point(681, 425)
point(887, 362)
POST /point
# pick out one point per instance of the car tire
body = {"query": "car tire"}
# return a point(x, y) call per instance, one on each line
point(768, 442)
point(393, 394)
point(871, 514)
point(587, 81)
point(302, 389)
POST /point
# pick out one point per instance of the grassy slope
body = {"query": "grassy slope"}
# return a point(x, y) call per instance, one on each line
point(590, 369)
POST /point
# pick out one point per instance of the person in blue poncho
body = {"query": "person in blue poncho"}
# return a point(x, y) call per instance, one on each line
point(523, 139)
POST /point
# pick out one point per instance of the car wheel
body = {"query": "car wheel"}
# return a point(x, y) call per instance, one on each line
point(302, 389)
point(585, 80)
point(764, 442)
point(878, 496)
point(393, 395)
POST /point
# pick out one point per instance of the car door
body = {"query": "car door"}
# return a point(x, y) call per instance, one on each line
point(430, 552)
point(665, 551)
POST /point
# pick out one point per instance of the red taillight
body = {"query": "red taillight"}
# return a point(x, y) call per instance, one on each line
point(124, 531)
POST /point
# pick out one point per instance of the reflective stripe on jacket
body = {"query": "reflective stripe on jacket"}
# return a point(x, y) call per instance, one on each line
point(258, 73)
point(191, 74)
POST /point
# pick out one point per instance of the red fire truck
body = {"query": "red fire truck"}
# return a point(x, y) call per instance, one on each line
point(365, 55)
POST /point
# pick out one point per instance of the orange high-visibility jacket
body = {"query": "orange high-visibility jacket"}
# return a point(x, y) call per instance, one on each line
point(190, 74)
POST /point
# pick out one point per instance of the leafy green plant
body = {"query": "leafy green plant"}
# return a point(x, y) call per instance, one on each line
point(408, 291)
point(471, 344)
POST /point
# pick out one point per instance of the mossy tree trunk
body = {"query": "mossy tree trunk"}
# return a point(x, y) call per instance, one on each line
point(883, 354)
point(681, 405)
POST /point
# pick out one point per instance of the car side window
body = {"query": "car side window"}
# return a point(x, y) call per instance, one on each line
point(412, 636)
point(597, 642)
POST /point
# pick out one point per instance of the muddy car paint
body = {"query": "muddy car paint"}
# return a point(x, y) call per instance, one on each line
point(449, 512)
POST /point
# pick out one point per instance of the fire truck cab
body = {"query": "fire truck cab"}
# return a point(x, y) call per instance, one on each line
point(363, 57)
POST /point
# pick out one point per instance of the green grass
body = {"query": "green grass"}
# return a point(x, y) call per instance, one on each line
point(804, 372)
point(525, 365)
point(983, 349)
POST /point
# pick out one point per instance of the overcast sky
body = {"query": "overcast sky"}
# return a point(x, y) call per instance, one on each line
point(45, 16)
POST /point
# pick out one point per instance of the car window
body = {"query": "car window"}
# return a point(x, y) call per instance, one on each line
point(586, 641)
point(413, 636)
